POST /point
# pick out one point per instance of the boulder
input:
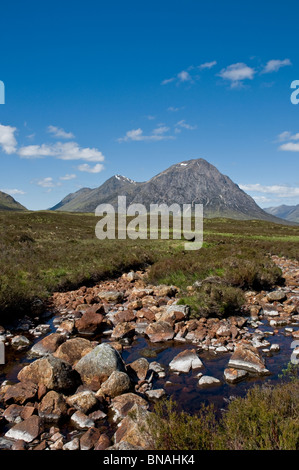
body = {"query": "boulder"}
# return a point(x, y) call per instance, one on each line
point(122, 404)
point(276, 296)
point(12, 414)
point(140, 367)
point(207, 381)
point(159, 332)
point(81, 421)
point(52, 372)
point(233, 376)
point(111, 296)
point(53, 407)
point(185, 361)
point(20, 392)
point(83, 401)
point(73, 349)
point(123, 330)
point(103, 443)
point(117, 384)
point(20, 342)
point(27, 430)
point(155, 395)
point(134, 429)
point(97, 366)
point(90, 438)
point(48, 345)
point(247, 357)
point(89, 323)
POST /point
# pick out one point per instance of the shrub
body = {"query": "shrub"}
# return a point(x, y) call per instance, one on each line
point(266, 419)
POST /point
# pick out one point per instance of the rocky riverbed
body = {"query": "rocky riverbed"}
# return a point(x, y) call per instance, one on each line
point(86, 374)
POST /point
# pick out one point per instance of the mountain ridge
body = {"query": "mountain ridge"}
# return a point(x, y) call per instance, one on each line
point(290, 213)
point(194, 181)
point(8, 203)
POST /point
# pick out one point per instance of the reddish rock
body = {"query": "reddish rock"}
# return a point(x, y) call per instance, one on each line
point(140, 367)
point(159, 331)
point(247, 357)
point(27, 430)
point(125, 316)
point(103, 443)
point(48, 345)
point(12, 414)
point(83, 401)
point(90, 322)
point(21, 392)
point(73, 349)
point(122, 404)
point(117, 384)
point(123, 330)
point(51, 372)
point(53, 407)
point(89, 438)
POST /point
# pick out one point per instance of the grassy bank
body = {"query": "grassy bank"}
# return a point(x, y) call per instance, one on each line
point(266, 419)
point(44, 251)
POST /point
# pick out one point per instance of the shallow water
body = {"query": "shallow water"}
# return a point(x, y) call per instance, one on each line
point(184, 388)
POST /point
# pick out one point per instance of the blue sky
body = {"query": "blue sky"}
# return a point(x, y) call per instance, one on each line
point(99, 88)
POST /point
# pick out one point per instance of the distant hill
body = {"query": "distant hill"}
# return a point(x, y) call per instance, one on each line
point(189, 182)
point(8, 203)
point(290, 213)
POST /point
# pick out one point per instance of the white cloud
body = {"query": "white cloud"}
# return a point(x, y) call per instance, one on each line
point(137, 135)
point(13, 192)
point(160, 130)
point(290, 147)
point(183, 124)
point(46, 182)
point(89, 169)
point(62, 151)
point(278, 190)
point(181, 77)
point(68, 177)
point(172, 109)
point(184, 76)
point(167, 80)
point(8, 141)
point(60, 133)
point(207, 65)
point(236, 73)
point(275, 65)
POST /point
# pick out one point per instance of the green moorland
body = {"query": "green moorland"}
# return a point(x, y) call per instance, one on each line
point(46, 251)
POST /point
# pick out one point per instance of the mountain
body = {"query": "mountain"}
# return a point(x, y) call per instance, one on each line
point(290, 213)
point(188, 182)
point(8, 203)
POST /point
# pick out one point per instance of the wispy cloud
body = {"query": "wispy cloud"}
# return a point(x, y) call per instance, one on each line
point(282, 191)
point(182, 77)
point(291, 144)
point(60, 133)
point(275, 65)
point(185, 125)
point(8, 142)
point(207, 65)
point(91, 169)
point(47, 182)
point(68, 177)
point(62, 151)
point(136, 135)
point(237, 73)
point(13, 192)
point(173, 109)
